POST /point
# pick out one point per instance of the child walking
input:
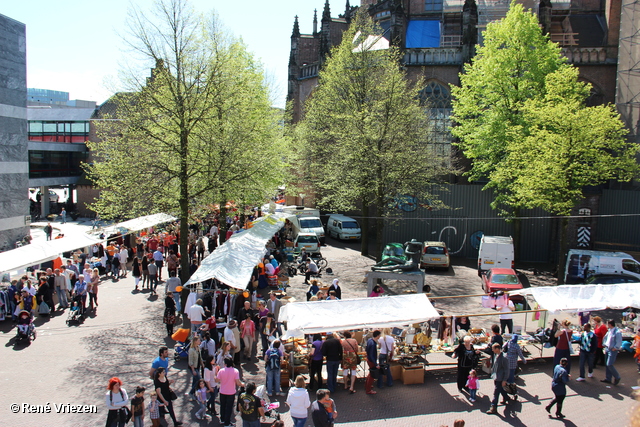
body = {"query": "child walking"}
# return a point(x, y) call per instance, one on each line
point(154, 409)
point(473, 385)
point(137, 407)
point(201, 396)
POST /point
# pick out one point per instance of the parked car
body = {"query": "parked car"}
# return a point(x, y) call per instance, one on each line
point(610, 279)
point(502, 279)
point(394, 250)
point(435, 255)
point(309, 241)
point(53, 196)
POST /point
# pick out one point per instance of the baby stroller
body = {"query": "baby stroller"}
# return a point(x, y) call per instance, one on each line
point(181, 349)
point(25, 329)
point(267, 405)
point(75, 313)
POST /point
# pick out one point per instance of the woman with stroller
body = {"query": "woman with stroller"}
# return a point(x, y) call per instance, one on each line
point(92, 288)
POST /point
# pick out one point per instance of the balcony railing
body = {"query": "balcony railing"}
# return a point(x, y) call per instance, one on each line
point(433, 56)
point(564, 39)
point(308, 71)
point(585, 55)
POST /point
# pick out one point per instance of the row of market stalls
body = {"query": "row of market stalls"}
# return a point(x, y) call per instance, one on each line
point(42, 251)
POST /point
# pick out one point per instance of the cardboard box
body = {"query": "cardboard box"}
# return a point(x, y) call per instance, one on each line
point(396, 371)
point(413, 375)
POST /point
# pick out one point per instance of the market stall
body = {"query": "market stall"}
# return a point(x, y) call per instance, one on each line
point(232, 263)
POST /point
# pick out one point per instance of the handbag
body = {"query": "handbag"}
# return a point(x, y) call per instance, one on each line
point(358, 358)
point(124, 414)
point(571, 350)
point(172, 395)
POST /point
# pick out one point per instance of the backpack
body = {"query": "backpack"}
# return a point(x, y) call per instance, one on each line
point(273, 362)
point(204, 351)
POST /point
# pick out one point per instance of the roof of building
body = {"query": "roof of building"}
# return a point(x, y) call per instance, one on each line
point(59, 114)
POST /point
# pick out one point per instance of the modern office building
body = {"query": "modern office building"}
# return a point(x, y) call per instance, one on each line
point(14, 164)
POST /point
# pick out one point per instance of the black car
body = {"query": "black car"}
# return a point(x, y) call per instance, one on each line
point(610, 279)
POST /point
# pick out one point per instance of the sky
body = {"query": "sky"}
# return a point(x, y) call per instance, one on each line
point(75, 45)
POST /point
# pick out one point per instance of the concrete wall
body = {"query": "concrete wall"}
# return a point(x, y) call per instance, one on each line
point(14, 161)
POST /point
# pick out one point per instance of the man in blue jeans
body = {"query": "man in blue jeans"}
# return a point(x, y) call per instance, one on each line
point(612, 344)
point(273, 359)
point(332, 350)
point(499, 375)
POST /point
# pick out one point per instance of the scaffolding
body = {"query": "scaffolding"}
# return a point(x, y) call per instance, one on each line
point(628, 79)
point(495, 10)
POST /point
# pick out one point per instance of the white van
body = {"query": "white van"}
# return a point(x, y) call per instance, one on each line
point(495, 252)
point(343, 227)
point(306, 220)
point(582, 264)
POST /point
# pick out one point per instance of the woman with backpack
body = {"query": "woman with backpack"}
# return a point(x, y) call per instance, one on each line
point(117, 404)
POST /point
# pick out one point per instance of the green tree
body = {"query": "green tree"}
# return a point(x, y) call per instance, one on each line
point(199, 130)
point(364, 130)
point(569, 146)
point(522, 120)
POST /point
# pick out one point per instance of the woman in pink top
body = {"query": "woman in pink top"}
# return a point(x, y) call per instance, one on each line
point(229, 378)
point(247, 333)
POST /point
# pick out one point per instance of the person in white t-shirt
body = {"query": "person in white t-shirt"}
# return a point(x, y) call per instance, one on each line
point(387, 345)
point(196, 314)
point(506, 319)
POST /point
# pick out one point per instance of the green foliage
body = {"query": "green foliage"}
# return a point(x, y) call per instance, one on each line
point(569, 146)
point(523, 122)
point(509, 69)
point(201, 128)
point(364, 130)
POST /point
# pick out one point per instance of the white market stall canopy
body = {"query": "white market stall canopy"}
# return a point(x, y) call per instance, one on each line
point(144, 222)
point(585, 297)
point(39, 252)
point(380, 312)
point(232, 263)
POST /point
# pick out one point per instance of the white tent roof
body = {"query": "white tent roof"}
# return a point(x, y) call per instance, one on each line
point(142, 222)
point(233, 262)
point(585, 297)
point(39, 252)
point(380, 312)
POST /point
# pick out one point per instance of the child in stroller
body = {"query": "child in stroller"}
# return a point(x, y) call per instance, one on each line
point(269, 407)
point(25, 329)
point(75, 314)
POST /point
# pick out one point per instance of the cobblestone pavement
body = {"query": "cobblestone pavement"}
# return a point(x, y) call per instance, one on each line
point(72, 365)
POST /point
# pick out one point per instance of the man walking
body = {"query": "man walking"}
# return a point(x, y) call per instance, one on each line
point(612, 344)
point(63, 216)
point(499, 375)
point(60, 282)
point(274, 305)
point(171, 286)
point(48, 230)
point(332, 350)
point(372, 361)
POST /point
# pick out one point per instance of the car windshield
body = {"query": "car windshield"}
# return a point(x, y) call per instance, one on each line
point(505, 279)
point(310, 223)
point(351, 224)
point(435, 250)
point(307, 239)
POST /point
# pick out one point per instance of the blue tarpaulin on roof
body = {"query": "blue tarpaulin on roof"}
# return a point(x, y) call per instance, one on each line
point(423, 34)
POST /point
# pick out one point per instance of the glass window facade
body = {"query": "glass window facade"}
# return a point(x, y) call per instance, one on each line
point(54, 164)
point(433, 5)
point(58, 131)
point(437, 98)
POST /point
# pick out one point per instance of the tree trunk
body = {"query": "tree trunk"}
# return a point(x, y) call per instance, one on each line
point(379, 226)
point(517, 234)
point(184, 214)
point(223, 220)
point(562, 255)
point(364, 240)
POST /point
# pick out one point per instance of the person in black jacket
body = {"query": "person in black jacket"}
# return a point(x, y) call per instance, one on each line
point(332, 350)
point(323, 411)
point(499, 375)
